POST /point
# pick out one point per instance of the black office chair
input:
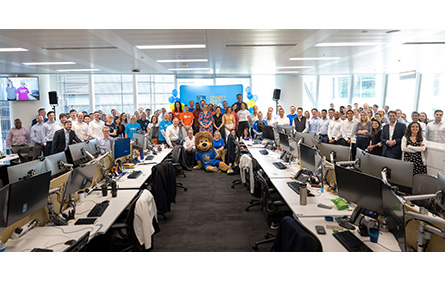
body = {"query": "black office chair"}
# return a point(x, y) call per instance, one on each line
point(293, 236)
point(26, 154)
point(178, 160)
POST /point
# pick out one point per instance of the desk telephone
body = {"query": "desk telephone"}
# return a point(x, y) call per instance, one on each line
point(304, 175)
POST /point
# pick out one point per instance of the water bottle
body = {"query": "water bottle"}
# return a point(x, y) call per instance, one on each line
point(2, 247)
point(303, 194)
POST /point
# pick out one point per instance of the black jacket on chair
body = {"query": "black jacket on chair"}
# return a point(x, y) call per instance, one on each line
point(59, 140)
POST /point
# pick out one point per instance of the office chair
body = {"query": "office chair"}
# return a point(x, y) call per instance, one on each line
point(293, 236)
point(178, 160)
point(26, 154)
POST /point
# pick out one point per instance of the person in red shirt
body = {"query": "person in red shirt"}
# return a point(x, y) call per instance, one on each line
point(186, 120)
point(178, 110)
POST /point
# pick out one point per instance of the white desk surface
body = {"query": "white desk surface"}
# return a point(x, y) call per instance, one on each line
point(145, 167)
point(115, 208)
point(9, 158)
point(310, 209)
point(50, 237)
point(266, 162)
point(386, 242)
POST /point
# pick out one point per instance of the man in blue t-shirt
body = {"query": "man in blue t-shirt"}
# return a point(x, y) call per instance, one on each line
point(163, 126)
point(132, 128)
point(191, 106)
point(292, 115)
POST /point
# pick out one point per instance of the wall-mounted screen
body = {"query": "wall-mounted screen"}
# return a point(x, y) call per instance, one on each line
point(19, 89)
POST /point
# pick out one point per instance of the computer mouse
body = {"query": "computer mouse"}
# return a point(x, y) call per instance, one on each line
point(106, 202)
point(70, 242)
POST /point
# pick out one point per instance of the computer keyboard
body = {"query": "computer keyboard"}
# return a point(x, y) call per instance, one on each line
point(98, 209)
point(279, 165)
point(41, 250)
point(134, 174)
point(264, 152)
point(295, 186)
point(149, 158)
point(351, 242)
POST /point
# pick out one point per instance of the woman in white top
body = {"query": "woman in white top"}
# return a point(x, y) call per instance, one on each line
point(271, 121)
point(243, 116)
point(413, 148)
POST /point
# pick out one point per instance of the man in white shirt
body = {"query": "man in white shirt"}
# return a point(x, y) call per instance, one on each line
point(48, 132)
point(323, 127)
point(189, 146)
point(331, 114)
point(348, 128)
point(80, 127)
point(95, 127)
point(73, 116)
point(435, 131)
point(105, 141)
point(334, 129)
point(172, 134)
point(281, 119)
point(312, 122)
point(415, 118)
point(37, 135)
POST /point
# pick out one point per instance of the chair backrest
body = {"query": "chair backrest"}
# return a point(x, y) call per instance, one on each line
point(315, 242)
point(25, 155)
point(266, 197)
point(424, 184)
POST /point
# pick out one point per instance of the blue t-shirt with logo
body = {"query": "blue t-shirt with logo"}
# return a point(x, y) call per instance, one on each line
point(163, 126)
point(130, 129)
point(207, 158)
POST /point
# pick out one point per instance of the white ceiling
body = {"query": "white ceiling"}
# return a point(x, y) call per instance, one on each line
point(229, 51)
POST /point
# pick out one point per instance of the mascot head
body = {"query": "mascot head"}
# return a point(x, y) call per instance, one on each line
point(204, 141)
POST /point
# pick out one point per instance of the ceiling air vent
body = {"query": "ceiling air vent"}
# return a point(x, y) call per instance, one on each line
point(79, 48)
point(425, 43)
point(261, 45)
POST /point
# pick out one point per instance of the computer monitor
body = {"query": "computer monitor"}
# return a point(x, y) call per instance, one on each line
point(92, 147)
point(362, 189)
point(400, 173)
point(308, 138)
point(394, 213)
point(121, 148)
point(307, 157)
point(268, 132)
point(77, 153)
point(81, 177)
point(53, 164)
point(17, 172)
point(139, 140)
point(3, 205)
point(284, 142)
point(27, 196)
point(341, 153)
point(441, 180)
point(287, 129)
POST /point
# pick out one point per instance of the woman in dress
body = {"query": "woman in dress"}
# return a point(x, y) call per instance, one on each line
point(218, 123)
point(235, 114)
point(413, 148)
point(363, 131)
point(228, 121)
point(375, 145)
point(205, 120)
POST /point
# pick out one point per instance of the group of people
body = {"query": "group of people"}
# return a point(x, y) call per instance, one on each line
point(379, 131)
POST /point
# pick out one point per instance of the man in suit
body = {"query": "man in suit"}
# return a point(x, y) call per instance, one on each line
point(63, 138)
point(392, 134)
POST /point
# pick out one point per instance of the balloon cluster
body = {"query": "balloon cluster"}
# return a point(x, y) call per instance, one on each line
point(173, 99)
point(252, 99)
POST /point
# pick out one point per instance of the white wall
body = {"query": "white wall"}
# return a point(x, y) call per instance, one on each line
point(291, 91)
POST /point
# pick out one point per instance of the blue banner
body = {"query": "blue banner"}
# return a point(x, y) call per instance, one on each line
point(212, 94)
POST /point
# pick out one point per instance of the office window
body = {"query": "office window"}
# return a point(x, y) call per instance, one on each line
point(432, 95)
point(5, 123)
point(333, 89)
point(75, 91)
point(401, 93)
point(309, 82)
point(367, 89)
point(114, 92)
point(154, 90)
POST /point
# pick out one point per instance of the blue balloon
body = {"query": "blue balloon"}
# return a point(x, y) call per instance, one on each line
point(177, 99)
point(249, 96)
point(175, 92)
point(250, 110)
point(255, 98)
point(248, 89)
point(171, 99)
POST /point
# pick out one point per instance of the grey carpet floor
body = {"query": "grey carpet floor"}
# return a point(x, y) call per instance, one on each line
point(211, 217)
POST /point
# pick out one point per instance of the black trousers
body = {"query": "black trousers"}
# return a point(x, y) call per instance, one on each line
point(324, 138)
point(241, 126)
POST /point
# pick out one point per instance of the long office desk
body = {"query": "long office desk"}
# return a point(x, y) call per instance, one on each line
point(310, 214)
point(9, 158)
point(145, 167)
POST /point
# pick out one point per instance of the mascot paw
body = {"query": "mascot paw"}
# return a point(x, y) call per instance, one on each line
point(212, 168)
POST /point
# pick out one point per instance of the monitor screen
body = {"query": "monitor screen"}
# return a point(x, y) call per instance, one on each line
point(121, 148)
point(362, 189)
point(441, 180)
point(268, 132)
point(52, 163)
point(3, 200)
point(77, 153)
point(394, 212)
point(287, 129)
point(284, 142)
point(19, 171)
point(308, 138)
point(139, 140)
point(81, 177)
point(307, 157)
point(341, 152)
point(28, 196)
point(19, 89)
point(92, 148)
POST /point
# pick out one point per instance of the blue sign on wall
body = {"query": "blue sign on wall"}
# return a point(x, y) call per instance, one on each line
point(212, 94)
